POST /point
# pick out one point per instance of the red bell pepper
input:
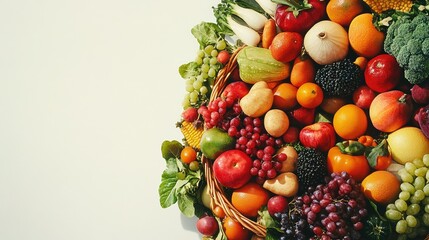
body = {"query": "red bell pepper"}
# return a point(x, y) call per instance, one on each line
point(299, 16)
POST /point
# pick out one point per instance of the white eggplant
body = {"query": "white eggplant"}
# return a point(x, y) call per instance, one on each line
point(268, 6)
point(252, 18)
point(246, 34)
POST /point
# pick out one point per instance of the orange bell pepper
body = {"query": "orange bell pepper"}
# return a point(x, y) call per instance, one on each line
point(379, 156)
point(348, 156)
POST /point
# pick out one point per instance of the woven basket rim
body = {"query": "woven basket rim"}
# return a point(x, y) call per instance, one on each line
point(215, 188)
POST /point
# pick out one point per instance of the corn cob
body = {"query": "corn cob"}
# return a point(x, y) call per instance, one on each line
point(192, 134)
point(379, 6)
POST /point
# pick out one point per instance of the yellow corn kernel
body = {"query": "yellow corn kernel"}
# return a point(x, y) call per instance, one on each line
point(192, 134)
point(379, 6)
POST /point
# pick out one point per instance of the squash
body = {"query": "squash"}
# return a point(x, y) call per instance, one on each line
point(257, 64)
point(326, 42)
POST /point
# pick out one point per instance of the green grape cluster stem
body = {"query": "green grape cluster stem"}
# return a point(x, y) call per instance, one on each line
point(199, 85)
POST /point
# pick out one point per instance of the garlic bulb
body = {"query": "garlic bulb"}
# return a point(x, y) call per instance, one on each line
point(326, 42)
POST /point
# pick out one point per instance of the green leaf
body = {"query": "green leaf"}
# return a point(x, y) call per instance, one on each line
point(323, 117)
point(189, 69)
point(265, 218)
point(171, 149)
point(167, 192)
point(221, 234)
point(186, 205)
point(206, 33)
point(373, 153)
point(167, 188)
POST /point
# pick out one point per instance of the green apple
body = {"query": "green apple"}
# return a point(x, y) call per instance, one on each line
point(215, 141)
point(206, 199)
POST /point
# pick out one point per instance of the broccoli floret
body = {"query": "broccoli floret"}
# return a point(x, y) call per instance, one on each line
point(403, 56)
point(425, 46)
point(421, 32)
point(396, 46)
point(414, 47)
point(407, 40)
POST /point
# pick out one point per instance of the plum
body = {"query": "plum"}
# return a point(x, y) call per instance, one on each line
point(423, 120)
point(207, 226)
point(420, 93)
point(277, 204)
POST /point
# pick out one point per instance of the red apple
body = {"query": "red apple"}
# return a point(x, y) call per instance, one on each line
point(363, 96)
point(320, 135)
point(236, 90)
point(207, 226)
point(277, 204)
point(291, 135)
point(232, 168)
point(302, 116)
point(382, 73)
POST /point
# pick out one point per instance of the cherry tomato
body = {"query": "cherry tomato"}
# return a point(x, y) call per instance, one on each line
point(188, 154)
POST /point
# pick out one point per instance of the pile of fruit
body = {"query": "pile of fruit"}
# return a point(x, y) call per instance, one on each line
point(312, 116)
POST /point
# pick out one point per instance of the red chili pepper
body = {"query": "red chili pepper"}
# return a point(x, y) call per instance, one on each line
point(299, 16)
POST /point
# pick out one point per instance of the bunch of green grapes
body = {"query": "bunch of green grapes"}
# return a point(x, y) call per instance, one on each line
point(410, 212)
point(199, 84)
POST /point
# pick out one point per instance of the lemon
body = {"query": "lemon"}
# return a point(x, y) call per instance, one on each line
point(407, 144)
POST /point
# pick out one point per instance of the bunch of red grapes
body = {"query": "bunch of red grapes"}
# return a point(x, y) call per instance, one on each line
point(333, 210)
point(250, 135)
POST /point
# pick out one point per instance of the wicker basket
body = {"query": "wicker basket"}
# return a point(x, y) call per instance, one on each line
point(215, 189)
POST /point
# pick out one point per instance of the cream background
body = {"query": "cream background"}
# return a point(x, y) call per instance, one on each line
point(88, 91)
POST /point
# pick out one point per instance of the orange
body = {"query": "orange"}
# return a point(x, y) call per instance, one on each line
point(381, 187)
point(249, 199)
point(343, 11)
point(364, 38)
point(303, 70)
point(285, 96)
point(350, 122)
point(234, 230)
point(286, 46)
point(309, 95)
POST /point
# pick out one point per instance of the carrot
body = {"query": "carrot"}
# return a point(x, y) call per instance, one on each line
point(268, 33)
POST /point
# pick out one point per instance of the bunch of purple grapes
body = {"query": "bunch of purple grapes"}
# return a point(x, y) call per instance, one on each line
point(292, 221)
point(334, 210)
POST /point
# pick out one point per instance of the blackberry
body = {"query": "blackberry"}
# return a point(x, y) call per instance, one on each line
point(339, 79)
point(311, 168)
